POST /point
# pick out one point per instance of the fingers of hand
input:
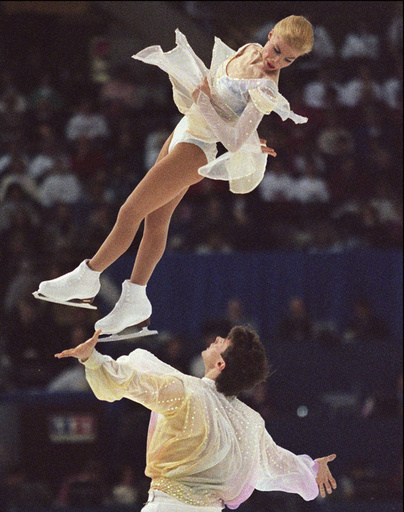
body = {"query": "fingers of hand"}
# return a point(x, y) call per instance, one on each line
point(65, 353)
point(326, 486)
point(96, 335)
point(269, 151)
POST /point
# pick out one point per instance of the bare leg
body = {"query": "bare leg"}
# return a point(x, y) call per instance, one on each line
point(154, 241)
point(166, 182)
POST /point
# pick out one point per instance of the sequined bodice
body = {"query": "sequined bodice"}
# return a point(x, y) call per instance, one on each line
point(231, 94)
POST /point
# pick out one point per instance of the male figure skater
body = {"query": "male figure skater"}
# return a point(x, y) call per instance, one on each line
point(206, 449)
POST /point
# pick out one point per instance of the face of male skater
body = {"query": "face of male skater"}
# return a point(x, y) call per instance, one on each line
point(277, 54)
point(213, 354)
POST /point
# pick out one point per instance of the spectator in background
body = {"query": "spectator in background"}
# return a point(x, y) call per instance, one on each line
point(20, 287)
point(310, 187)
point(392, 88)
point(153, 144)
point(361, 44)
point(72, 378)
point(86, 122)
point(121, 181)
point(128, 150)
point(62, 233)
point(317, 93)
point(123, 489)
point(324, 47)
point(46, 91)
point(88, 157)
point(45, 156)
point(175, 352)
point(45, 105)
point(365, 324)
point(296, 326)
point(214, 227)
point(60, 186)
point(334, 140)
point(361, 89)
point(277, 184)
point(395, 31)
point(14, 151)
point(119, 97)
point(15, 200)
point(236, 314)
point(373, 125)
point(13, 109)
point(387, 202)
point(17, 173)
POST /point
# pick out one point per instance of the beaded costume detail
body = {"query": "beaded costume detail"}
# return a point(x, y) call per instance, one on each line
point(203, 448)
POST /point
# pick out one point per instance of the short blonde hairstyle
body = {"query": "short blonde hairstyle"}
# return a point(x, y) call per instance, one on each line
point(297, 32)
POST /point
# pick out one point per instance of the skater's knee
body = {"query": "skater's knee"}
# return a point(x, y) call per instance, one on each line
point(127, 213)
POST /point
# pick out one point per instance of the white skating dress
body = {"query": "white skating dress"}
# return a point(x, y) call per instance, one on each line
point(231, 116)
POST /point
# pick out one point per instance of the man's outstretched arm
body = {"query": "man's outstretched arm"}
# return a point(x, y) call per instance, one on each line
point(82, 351)
point(282, 470)
point(139, 376)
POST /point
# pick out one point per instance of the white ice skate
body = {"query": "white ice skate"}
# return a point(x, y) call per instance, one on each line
point(77, 288)
point(130, 317)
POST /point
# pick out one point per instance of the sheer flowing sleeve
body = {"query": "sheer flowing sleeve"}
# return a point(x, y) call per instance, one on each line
point(140, 377)
point(282, 470)
point(267, 99)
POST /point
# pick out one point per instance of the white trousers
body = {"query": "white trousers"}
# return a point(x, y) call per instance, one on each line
point(161, 502)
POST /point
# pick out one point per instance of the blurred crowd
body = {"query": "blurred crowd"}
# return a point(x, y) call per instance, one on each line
point(71, 151)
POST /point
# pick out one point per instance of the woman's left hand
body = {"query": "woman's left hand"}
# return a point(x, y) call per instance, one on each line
point(324, 479)
point(266, 149)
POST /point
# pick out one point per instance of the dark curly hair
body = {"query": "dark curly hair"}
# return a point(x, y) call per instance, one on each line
point(246, 362)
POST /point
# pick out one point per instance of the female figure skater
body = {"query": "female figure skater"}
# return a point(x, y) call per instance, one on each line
point(226, 104)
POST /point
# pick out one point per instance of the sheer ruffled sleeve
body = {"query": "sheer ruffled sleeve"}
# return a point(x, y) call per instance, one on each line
point(267, 99)
point(282, 470)
point(138, 376)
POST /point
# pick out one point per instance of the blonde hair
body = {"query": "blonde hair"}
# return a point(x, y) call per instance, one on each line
point(297, 32)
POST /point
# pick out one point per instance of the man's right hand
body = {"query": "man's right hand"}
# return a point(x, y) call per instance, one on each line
point(82, 351)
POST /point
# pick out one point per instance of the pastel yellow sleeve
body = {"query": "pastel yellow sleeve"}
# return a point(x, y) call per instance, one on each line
point(112, 380)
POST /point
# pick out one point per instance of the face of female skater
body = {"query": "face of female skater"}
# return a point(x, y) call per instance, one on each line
point(213, 354)
point(277, 54)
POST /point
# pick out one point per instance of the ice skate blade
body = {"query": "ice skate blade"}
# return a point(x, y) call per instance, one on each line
point(78, 304)
point(129, 334)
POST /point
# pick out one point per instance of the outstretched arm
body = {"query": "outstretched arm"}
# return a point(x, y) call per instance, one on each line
point(282, 470)
point(139, 376)
point(82, 351)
